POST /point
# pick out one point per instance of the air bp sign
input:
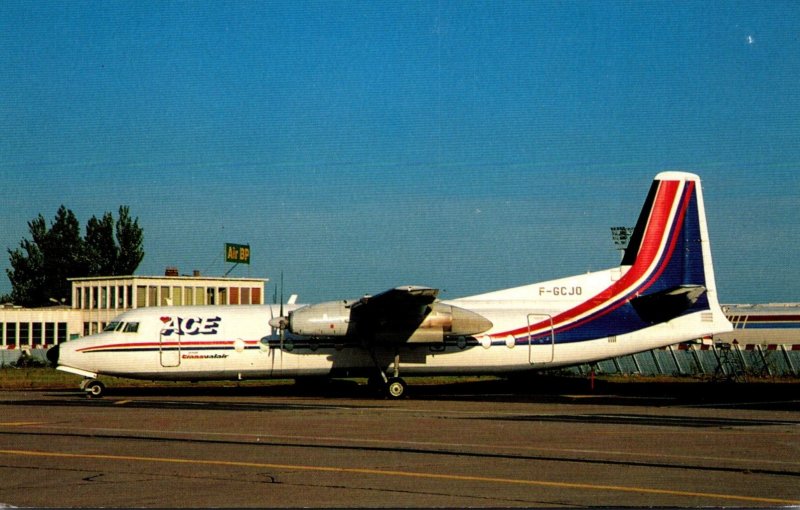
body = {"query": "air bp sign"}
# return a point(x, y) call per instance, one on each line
point(237, 253)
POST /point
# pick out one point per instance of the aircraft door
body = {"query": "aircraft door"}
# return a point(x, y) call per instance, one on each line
point(169, 349)
point(538, 351)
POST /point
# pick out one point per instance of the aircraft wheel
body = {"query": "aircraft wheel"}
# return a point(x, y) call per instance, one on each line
point(95, 388)
point(396, 388)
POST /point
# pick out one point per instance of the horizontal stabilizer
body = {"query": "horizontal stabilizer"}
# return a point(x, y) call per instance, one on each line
point(667, 304)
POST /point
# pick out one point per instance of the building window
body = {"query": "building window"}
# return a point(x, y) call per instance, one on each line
point(103, 298)
point(87, 301)
point(222, 292)
point(177, 296)
point(256, 296)
point(11, 333)
point(2, 336)
point(49, 333)
point(199, 296)
point(165, 298)
point(85, 329)
point(24, 333)
point(210, 296)
point(188, 295)
point(94, 298)
point(245, 296)
point(62, 332)
point(141, 296)
point(37, 333)
point(234, 295)
point(152, 295)
point(129, 302)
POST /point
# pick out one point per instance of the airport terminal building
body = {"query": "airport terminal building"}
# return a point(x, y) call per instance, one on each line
point(97, 300)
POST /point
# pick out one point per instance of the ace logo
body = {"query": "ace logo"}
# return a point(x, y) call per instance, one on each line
point(190, 325)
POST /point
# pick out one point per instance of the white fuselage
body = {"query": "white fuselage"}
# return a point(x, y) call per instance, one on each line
point(237, 342)
point(663, 293)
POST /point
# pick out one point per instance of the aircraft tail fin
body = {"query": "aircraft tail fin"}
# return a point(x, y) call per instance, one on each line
point(669, 254)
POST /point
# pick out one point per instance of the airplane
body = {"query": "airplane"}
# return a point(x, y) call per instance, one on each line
point(662, 293)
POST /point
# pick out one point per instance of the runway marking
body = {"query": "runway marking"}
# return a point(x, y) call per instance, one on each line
point(406, 474)
point(122, 402)
point(748, 461)
point(363, 440)
point(21, 423)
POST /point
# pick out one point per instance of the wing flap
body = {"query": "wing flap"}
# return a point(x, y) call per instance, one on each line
point(411, 314)
point(395, 315)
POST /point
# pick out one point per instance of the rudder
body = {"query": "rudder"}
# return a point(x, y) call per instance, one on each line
point(669, 251)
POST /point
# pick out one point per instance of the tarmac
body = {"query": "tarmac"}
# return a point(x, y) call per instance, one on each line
point(542, 442)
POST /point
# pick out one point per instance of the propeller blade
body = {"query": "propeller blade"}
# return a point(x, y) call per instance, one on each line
point(282, 331)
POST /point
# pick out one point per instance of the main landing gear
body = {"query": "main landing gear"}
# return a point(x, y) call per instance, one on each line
point(93, 388)
point(392, 387)
point(395, 387)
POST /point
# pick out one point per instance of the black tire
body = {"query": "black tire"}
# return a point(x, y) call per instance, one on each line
point(396, 388)
point(95, 389)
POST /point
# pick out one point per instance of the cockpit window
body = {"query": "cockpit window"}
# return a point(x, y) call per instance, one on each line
point(113, 326)
point(131, 327)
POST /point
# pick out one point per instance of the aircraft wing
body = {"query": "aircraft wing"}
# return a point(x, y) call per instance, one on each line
point(401, 307)
point(408, 314)
point(395, 316)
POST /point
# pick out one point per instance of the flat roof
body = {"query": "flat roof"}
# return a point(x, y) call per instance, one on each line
point(162, 277)
point(762, 309)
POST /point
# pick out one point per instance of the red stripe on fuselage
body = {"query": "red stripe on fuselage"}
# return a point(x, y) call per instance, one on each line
point(665, 259)
point(139, 345)
point(656, 237)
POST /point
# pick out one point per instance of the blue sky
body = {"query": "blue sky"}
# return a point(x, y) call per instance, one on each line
point(358, 146)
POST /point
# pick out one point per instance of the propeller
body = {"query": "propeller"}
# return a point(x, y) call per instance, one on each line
point(281, 322)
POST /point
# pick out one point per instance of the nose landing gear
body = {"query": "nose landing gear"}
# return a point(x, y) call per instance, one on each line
point(93, 388)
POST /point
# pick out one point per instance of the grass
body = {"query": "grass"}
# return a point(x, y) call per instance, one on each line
point(49, 379)
point(45, 378)
point(35, 379)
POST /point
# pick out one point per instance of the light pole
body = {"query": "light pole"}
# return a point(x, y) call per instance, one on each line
point(621, 237)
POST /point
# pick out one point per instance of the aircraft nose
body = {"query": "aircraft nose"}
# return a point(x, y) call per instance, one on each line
point(52, 355)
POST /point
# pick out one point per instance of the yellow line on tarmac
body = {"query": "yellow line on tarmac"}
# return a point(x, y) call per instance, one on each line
point(407, 474)
point(20, 423)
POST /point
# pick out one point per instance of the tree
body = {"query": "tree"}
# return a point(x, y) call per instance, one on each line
point(64, 257)
point(27, 277)
point(101, 249)
point(129, 239)
point(41, 266)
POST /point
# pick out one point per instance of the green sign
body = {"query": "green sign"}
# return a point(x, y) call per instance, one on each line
point(237, 253)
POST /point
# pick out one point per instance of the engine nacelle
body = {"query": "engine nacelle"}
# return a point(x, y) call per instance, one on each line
point(455, 321)
point(331, 318)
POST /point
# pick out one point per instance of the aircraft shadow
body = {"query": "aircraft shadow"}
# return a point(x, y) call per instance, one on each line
point(761, 395)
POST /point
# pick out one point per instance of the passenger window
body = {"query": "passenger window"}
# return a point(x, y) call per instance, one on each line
point(112, 326)
point(131, 327)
